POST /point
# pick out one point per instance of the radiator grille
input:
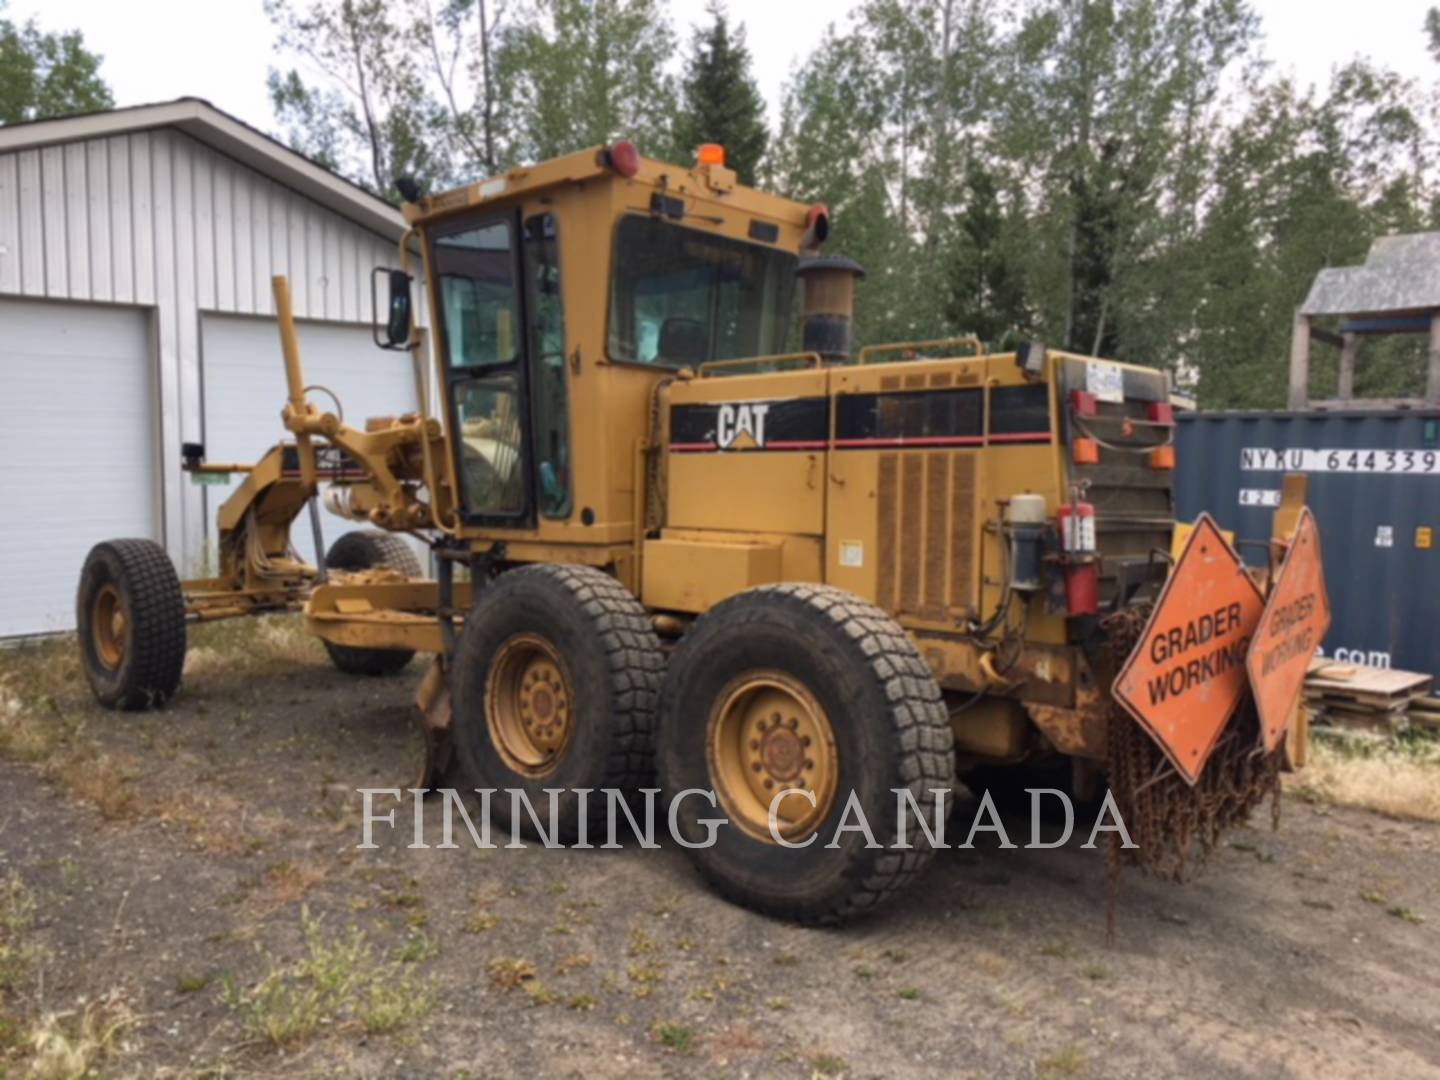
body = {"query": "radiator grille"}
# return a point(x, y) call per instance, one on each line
point(927, 544)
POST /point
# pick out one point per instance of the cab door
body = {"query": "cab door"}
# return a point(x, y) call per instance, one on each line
point(481, 323)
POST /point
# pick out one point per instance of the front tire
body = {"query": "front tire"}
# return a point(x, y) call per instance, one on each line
point(370, 549)
point(554, 684)
point(130, 614)
point(808, 688)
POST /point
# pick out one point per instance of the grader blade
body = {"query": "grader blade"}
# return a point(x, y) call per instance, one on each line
point(1187, 675)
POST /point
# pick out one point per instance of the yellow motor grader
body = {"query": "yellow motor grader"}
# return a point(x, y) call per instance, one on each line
point(811, 582)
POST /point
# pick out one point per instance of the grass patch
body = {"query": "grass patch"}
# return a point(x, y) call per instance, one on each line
point(1065, 1063)
point(1400, 779)
point(193, 983)
point(675, 1037)
point(17, 915)
point(77, 1043)
point(1400, 911)
point(508, 973)
point(480, 922)
point(338, 984)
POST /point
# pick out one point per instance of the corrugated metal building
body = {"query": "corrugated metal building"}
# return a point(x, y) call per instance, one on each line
point(136, 251)
point(1375, 491)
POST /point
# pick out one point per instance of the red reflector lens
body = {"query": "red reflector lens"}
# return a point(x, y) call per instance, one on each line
point(1162, 412)
point(623, 158)
point(1083, 402)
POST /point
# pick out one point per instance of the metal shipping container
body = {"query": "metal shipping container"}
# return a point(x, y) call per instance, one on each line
point(1375, 492)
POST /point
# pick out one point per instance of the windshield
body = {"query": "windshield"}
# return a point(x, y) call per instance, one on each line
point(680, 297)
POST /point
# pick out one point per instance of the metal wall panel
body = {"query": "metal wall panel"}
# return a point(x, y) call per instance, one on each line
point(1374, 488)
point(159, 219)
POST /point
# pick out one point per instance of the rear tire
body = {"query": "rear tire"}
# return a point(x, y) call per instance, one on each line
point(369, 549)
point(863, 713)
point(554, 685)
point(130, 614)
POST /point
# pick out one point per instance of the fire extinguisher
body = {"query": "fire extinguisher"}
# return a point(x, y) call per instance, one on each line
point(1080, 553)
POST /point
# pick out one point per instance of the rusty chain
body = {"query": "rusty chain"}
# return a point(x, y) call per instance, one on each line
point(1174, 826)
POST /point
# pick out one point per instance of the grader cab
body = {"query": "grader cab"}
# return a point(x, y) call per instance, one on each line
point(805, 581)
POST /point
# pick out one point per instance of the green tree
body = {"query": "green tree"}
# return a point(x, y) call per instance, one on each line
point(1302, 183)
point(45, 74)
point(370, 115)
point(1110, 103)
point(720, 101)
point(987, 277)
point(880, 124)
point(577, 73)
point(395, 87)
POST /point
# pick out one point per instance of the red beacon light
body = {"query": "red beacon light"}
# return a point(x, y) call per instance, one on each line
point(817, 226)
point(621, 158)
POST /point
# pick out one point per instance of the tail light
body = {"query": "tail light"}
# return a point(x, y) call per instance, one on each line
point(1083, 403)
point(1161, 412)
point(1162, 457)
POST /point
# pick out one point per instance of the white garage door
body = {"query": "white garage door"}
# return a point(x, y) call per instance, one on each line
point(78, 449)
point(244, 378)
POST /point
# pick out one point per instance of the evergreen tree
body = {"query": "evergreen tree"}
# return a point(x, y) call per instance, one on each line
point(987, 278)
point(721, 103)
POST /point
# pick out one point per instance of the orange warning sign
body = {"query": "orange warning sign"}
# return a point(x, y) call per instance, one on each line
point(1187, 675)
point(1291, 628)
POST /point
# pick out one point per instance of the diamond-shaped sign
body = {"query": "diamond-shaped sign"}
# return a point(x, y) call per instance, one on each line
point(1291, 628)
point(1187, 674)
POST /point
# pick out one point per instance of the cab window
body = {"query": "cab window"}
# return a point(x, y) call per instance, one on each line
point(547, 363)
point(480, 308)
point(478, 295)
point(680, 297)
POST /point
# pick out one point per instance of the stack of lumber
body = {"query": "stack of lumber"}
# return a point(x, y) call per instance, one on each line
point(1359, 698)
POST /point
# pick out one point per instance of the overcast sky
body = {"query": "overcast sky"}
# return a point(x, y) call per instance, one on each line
point(220, 50)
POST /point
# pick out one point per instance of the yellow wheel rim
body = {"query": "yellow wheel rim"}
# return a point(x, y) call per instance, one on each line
point(108, 627)
point(529, 705)
point(769, 734)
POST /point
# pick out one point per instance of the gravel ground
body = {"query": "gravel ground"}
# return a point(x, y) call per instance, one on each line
point(161, 871)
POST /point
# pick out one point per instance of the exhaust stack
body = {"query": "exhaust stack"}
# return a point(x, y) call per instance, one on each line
point(829, 312)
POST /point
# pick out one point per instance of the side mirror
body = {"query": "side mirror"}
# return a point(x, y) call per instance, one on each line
point(396, 331)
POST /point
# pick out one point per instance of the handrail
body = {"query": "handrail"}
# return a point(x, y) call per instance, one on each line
point(780, 358)
point(968, 339)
